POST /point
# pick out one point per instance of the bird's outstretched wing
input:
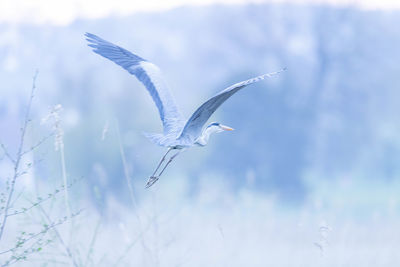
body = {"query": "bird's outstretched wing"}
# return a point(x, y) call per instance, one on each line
point(147, 73)
point(194, 125)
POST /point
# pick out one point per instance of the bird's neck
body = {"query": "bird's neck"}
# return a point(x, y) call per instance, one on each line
point(205, 135)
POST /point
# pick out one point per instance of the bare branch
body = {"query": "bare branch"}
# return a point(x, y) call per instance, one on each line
point(19, 156)
point(59, 237)
point(41, 141)
point(126, 169)
point(16, 198)
point(40, 200)
point(45, 229)
point(25, 210)
point(92, 242)
point(6, 153)
point(130, 187)
point(38, 243)
point(134, 242)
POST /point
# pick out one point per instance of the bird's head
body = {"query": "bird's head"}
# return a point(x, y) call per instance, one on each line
point(216, 127)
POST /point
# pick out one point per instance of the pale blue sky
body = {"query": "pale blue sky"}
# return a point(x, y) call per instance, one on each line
point(62, 12)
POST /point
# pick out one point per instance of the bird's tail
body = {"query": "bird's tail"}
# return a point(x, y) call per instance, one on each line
point(155, 138)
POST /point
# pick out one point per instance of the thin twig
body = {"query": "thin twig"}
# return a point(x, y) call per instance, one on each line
point(59, 145)
point(60, 239)
point(49, 262)
point(16, 199)
point(41, 141)
point(92, 242)
point(39, 201)
point(133, 243)
point(131, 192)
point(126, 169)
point(44, 231)
point(47, 227)
point(6, 153)
point(19, 156)
point(156, 251)
point(64, 174)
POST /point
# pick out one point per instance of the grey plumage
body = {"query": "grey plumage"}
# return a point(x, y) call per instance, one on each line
point(177, 133)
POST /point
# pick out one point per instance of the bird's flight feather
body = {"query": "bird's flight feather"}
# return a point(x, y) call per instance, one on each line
point(176, 132)
point(147, 73)
point(194, 125)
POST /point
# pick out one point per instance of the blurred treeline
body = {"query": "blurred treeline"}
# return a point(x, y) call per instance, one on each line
point(334, 114)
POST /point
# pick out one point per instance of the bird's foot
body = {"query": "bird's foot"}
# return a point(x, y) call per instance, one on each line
point(152, 180)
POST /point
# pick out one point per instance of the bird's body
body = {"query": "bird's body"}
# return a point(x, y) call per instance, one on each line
point(174, 141)
point(178, 133)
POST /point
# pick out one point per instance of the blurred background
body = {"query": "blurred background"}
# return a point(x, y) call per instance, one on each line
point(309, 177)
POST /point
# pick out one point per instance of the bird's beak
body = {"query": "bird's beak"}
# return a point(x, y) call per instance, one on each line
point(226, 128)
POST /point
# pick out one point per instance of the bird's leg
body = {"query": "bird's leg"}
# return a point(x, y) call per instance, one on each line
point(161, 161)
point(154, 178)
point(169, 161)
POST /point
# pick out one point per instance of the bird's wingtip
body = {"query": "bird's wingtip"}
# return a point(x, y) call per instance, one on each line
point(89, 35)
point(92, 38)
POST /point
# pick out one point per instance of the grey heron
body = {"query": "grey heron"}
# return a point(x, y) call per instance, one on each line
point(178, 133)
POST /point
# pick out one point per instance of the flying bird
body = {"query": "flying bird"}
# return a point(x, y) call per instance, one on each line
point(178, 133)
